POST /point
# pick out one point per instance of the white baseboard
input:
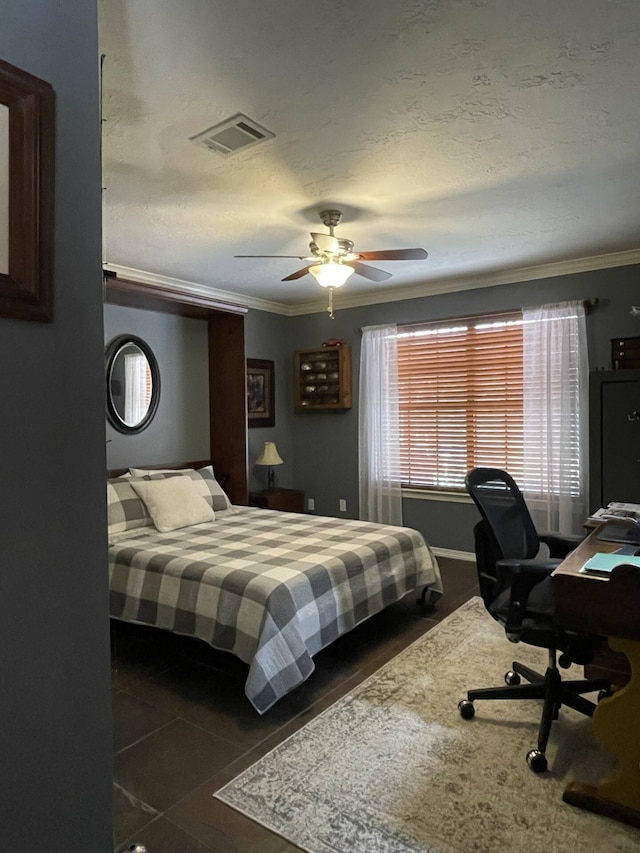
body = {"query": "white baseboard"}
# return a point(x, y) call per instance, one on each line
point(455, 555)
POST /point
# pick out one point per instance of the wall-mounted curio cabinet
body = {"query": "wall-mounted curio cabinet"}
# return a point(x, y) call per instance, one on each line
point(322, 378)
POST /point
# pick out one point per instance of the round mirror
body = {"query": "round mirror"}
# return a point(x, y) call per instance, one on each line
point(133, 384)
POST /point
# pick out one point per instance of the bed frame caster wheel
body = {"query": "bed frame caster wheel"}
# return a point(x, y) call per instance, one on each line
point(511, 678)
point(428, 598)
point(537, 760)
point(467, 711)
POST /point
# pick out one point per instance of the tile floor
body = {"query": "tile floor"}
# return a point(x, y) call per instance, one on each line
point(183, 726)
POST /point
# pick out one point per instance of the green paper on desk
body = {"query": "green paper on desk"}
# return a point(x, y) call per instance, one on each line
point(603, 564)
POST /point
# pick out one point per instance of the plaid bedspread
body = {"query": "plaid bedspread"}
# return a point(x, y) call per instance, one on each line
point(271, 587)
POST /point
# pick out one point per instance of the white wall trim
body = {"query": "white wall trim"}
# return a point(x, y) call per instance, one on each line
point(454, 555)
point(428, 288)
point(492, 279)
point(473, 282)
point(163, 281)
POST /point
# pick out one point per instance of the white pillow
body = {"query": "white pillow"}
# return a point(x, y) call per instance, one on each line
point(173, 503)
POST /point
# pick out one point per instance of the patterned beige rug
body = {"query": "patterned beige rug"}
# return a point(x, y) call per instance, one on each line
point(392, 767)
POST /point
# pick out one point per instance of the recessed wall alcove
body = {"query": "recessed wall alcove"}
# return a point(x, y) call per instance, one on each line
point(227, 371)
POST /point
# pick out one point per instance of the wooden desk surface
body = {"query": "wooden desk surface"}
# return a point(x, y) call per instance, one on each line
point(607, 605)
point(610, 607)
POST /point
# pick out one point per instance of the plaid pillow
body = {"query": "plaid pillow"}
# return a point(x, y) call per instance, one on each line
point(208, 486)
point(125, 510)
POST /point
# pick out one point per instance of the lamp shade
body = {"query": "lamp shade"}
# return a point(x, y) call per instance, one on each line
point(331, 274)
point(269, 455)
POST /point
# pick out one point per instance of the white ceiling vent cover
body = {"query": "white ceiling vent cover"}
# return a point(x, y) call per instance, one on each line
point(234, 134)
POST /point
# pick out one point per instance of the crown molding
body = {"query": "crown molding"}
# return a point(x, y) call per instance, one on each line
point(376, 297)
point(168, 283)
point(490, 279)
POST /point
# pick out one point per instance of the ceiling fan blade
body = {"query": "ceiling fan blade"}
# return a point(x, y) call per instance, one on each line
point(297, 274)
point(299, 257)
point(372, 273)
point(394, 255)
point(326, 243)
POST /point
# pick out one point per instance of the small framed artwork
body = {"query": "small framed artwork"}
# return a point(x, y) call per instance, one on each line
point(261, 393)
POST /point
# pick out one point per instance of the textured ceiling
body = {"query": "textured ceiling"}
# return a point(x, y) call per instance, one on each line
point(496, 134)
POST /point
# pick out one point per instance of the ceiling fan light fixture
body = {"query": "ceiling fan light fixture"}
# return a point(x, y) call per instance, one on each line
point(331, 274)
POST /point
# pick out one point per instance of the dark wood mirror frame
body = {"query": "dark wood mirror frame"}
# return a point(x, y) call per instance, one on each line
point(26, 291)
point(113, 414)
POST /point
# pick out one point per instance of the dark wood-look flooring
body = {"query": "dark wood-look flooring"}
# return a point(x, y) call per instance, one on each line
point(183, 726)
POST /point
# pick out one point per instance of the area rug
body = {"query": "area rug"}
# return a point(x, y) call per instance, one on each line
point(393, 768)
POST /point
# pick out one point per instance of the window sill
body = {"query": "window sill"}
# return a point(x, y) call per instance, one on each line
point(436, 495)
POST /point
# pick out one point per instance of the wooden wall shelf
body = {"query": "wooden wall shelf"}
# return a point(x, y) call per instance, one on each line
point(322, 379)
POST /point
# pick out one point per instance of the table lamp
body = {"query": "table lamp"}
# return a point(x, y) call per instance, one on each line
point(270, 457)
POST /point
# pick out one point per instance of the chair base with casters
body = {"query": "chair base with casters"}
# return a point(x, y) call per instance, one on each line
point(516, 587)
point(550, 688)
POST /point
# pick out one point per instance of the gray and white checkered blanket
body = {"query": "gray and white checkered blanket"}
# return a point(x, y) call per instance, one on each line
point(271, 587)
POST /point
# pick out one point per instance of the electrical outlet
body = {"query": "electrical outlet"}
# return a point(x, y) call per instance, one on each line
point(343, 505)
point(311, 504)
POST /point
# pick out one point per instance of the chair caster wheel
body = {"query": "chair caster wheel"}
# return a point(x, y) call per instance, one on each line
point(467, 711)
point(537, 761)
point(604, 694)
point(511, 678)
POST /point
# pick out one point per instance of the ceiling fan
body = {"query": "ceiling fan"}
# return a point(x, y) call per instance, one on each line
point(333, 258)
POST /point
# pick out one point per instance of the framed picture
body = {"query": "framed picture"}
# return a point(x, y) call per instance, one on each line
point(260, 393)
point(26, 195)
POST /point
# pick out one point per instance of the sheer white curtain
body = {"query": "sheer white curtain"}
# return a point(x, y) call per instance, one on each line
point(135, 382)
point(555, 415)
point(378, 419)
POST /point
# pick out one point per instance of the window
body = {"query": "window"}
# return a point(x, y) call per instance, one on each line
point(460, 399)
point(138, 387)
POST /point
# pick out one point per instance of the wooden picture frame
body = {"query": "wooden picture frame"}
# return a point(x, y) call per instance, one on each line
point(26, 279)
point(260, 393)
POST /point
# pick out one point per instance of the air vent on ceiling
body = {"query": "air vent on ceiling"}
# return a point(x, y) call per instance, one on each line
point(234, 134)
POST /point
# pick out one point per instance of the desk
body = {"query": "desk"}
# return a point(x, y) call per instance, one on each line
point(608, 606)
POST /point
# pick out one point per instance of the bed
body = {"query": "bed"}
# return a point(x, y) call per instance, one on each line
point(272, 588)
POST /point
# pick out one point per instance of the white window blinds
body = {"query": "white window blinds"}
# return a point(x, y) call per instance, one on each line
point(461, 399)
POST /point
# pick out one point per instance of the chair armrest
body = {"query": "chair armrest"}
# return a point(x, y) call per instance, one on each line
point(560, 544)
point(524, 575)
point(529, 572)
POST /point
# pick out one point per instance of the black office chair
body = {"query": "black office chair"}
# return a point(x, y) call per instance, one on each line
point(515, 586)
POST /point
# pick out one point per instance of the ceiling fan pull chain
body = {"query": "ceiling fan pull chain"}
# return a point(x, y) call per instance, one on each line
point(330, 308)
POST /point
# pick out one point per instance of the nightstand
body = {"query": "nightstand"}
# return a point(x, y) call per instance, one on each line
point(286, 500)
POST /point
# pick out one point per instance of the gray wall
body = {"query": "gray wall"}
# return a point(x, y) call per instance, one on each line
point(180, 429)
point(55, 725)
point(325, 445)
point(268, 336)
